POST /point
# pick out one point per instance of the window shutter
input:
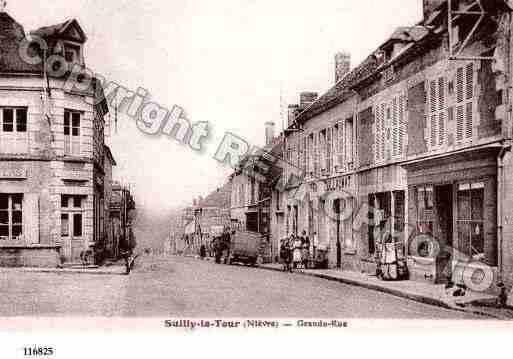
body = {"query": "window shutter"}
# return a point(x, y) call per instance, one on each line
point(31, 217)
point(316, 153)
point(441, 93)
point(433, 107)
point(305, 154)
point(341, 148)
point(402, 123)
point(378, 136)
point(329, 149)
point(395, 127)
point(382, 136)
point(441, 128)
point(459, 122)
point(469, 81)
point(469, 120)
point(459, 84)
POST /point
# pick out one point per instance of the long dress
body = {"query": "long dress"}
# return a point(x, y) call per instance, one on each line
point(297, 250)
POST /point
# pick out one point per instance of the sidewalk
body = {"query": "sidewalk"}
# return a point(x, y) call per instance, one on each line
point(112, 269)
point(433, 294)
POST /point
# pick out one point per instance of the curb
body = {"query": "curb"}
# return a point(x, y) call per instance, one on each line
point(397, 293)
point(64, 271)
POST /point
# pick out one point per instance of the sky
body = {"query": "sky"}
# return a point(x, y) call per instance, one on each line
point(227, 62)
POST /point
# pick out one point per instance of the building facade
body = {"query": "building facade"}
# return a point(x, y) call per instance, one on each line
point(52, 155)
point(414, 143)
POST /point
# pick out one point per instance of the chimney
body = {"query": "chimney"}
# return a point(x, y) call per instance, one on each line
point(293, 111)
point(342, 65)
point(306, 99)
point(430, 5)
point(269, 133)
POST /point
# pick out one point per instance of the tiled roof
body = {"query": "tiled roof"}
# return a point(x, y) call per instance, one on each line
point(341, 90)
point(220, 198)
point(11, 36)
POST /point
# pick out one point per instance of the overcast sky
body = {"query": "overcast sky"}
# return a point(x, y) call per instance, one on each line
point(224, 61)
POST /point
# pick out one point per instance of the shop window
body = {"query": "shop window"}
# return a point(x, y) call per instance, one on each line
point(470, 220)
point(425, 203)
point(72, 216)
point(72, 121)
point(11, 217)
point(14, 138)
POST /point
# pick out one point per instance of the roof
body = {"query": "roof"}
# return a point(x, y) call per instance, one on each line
point(59, 30)
point(220, 198)
point(11, 36)
point(108, 152)
point(342, 89)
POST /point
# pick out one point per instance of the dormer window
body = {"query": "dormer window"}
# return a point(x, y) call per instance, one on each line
point(72, 53)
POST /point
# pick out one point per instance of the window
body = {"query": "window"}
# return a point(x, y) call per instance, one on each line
point(329, 150)
point(11, 217)
point(72, 121)
point(437, 111)
point(72, 215)
point(72, 53)
point(349, 143)
point(389, 129)
point(425, 215)
point(470, 220)
point(464, 102)
point(14, 138)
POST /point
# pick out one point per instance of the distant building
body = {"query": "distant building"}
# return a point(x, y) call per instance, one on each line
point(200, 219)
point(121, 208)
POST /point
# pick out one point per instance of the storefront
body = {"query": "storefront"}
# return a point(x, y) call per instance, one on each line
point(453, 201)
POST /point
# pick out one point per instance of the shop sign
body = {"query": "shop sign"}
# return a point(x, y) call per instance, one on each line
point(13, 173)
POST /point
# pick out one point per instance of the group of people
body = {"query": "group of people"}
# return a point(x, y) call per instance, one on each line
point(221, 246)
point(295, 252)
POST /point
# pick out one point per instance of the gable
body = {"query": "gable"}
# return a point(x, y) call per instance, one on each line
point(72, 31)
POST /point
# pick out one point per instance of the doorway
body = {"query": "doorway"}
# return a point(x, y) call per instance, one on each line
point(444, 231)
point(336, 209)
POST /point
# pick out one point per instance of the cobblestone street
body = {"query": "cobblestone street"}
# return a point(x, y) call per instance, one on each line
point(186, 287)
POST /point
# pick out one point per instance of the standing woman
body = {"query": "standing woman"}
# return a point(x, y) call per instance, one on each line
point(297, 247)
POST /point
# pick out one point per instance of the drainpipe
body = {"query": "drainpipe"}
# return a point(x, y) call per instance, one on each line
point(500, 194)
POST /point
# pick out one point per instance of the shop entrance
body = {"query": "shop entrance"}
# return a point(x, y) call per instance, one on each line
point(444, 230)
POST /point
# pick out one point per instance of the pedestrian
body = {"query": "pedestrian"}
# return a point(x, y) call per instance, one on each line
point(315, 244)
point(305, 253)
point(284, 255)
point(297, 246)
point(203, 251)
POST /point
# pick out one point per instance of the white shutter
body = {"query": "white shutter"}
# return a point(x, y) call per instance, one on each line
point(469, 94)
point(459, 122)
point(377, 133)
point(395, 128)
point(341, 147)
point(31, 217)
point(459, 85)
point(402, 123)
point(441, 108)
point(433, 107)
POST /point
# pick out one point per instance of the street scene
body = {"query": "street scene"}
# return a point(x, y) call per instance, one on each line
point(179, 287)
point(156, 161)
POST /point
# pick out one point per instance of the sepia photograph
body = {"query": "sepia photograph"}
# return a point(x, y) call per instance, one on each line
point(248, 165)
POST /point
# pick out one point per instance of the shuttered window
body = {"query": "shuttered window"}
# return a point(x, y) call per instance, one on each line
point(341, 147)
point(390, 129)
point(464, 102)
point(316, 153)
point(437, 106)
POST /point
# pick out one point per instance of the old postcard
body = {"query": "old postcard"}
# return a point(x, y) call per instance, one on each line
point(241, 166)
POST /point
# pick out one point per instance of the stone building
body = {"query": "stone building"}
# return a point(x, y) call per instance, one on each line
point(52, 154)
point(254, 188)
point(415, 140)
point(199, 220)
